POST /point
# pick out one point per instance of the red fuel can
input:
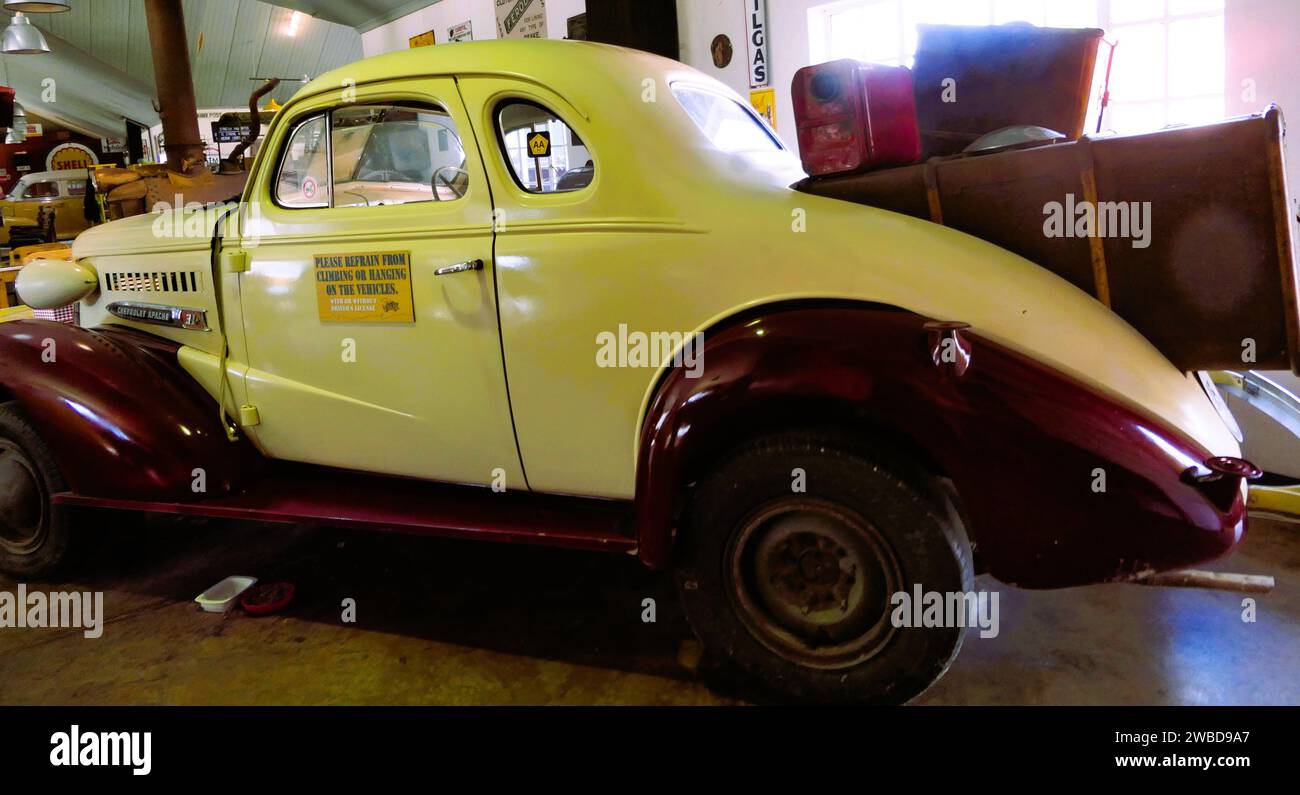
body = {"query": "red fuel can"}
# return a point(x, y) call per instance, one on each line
point(854, 116)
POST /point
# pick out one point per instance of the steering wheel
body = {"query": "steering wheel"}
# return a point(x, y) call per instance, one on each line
point(440, 178)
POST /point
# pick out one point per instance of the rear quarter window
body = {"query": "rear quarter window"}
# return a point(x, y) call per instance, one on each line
point(729, 125)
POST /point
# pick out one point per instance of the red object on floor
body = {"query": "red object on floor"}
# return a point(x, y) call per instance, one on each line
point(264, 599)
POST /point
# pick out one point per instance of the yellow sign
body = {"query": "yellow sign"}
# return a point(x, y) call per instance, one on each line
point(69, 156)
point(539, 144)
point(423, 40)
point(370, 287)
point(764, 101)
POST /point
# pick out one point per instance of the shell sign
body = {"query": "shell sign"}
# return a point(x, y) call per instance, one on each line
point(69, 156)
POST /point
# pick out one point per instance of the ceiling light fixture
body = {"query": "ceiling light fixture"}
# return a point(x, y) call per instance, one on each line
point(37, 6)
point(23, 38)
point(17, 134)
point(294, 21)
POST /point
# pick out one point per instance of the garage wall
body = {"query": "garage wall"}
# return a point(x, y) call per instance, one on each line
point(442, 15)
point(1262, 54)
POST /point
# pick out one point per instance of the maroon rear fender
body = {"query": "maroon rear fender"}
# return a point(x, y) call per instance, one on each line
point(122, 417)
point(1020, 441)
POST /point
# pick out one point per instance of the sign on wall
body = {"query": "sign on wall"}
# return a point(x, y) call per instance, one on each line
point(521, 19)
point(112, 146)
point(66, 156)
point(764, 101)
point(370, 287)
point(229, 135)
point(756, 43)
point(425, 39)
point(462, 32)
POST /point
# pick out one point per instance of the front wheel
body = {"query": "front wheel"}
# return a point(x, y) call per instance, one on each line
point(33, 532)
point(794, 548)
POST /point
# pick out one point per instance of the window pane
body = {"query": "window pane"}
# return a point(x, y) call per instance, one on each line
point(1135, 117)
point(1136, 10)
point(545, 155)
point(1196, 57)
point(729, 125)
point(385, 154)
point(1072, 14)
point(869, 33)
point(1139, 71)
point(41, 190)
point(304, 173)
point(1177, 7)
point(1030, 11)
point(1195, 111)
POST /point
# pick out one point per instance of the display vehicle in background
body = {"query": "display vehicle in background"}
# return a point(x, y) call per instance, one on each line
point(61, 193)
point(800, 405)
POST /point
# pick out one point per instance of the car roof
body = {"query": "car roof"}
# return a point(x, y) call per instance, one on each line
point(550, 62)
point(64, 175)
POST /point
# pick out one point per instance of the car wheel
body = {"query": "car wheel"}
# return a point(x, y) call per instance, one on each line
point(792, 550)
point(33, 532)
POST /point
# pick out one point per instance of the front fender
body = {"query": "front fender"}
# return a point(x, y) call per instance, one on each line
point(120, 415)
point(1022, 443)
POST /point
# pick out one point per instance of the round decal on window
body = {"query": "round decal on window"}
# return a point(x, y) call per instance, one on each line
point(309, 188)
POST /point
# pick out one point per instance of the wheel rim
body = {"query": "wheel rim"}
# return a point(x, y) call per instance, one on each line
point(22, 501)
point(812, 582)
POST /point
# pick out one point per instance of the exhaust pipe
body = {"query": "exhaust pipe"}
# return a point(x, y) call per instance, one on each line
point(231, 164)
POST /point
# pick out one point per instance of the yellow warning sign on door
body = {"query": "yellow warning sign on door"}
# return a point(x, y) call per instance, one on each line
point(369, 287)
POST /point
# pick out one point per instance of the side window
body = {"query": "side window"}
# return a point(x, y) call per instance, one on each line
point(385, 154)
point(41, 190)
point(304, 170)
point(76, 187)
point(729, 125)
point(545, 156)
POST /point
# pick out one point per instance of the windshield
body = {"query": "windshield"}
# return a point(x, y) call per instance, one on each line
point(729, 125)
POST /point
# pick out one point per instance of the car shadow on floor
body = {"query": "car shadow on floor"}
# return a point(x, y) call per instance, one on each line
point(579, 608)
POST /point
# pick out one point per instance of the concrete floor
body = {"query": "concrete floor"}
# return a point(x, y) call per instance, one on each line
point(441, 622)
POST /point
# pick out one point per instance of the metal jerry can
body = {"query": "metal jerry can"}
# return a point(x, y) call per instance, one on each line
point(855, 116)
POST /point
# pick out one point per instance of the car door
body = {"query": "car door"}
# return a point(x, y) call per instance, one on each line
point(370, 325)
point(70, 215)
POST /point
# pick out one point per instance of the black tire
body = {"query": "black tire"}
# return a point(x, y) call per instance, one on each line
point(788, 586)
point(34, 533)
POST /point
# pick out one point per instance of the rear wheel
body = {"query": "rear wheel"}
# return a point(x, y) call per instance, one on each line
point(33, 531)
point(793, 550)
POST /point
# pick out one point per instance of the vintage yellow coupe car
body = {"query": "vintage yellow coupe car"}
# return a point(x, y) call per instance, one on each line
point(800, 405)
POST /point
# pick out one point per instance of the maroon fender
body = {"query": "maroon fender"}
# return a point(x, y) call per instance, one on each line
point(1019, 440)
point(122, 417)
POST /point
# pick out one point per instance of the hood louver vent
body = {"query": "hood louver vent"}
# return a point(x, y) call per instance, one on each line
point(155, 282)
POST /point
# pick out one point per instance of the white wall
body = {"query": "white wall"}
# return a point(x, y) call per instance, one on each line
point(446, 13)
point(1262, 48)
point(698, 21)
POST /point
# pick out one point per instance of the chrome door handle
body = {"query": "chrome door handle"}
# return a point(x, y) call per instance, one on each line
point(460, 267)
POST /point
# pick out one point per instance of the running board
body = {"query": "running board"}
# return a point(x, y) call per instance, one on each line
point(302, 494)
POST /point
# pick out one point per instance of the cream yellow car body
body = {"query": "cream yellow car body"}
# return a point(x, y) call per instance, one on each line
point(672, 235)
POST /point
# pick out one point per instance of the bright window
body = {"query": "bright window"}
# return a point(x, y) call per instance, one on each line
point(728, 125)
point(567, 164)
point(1169, 62)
